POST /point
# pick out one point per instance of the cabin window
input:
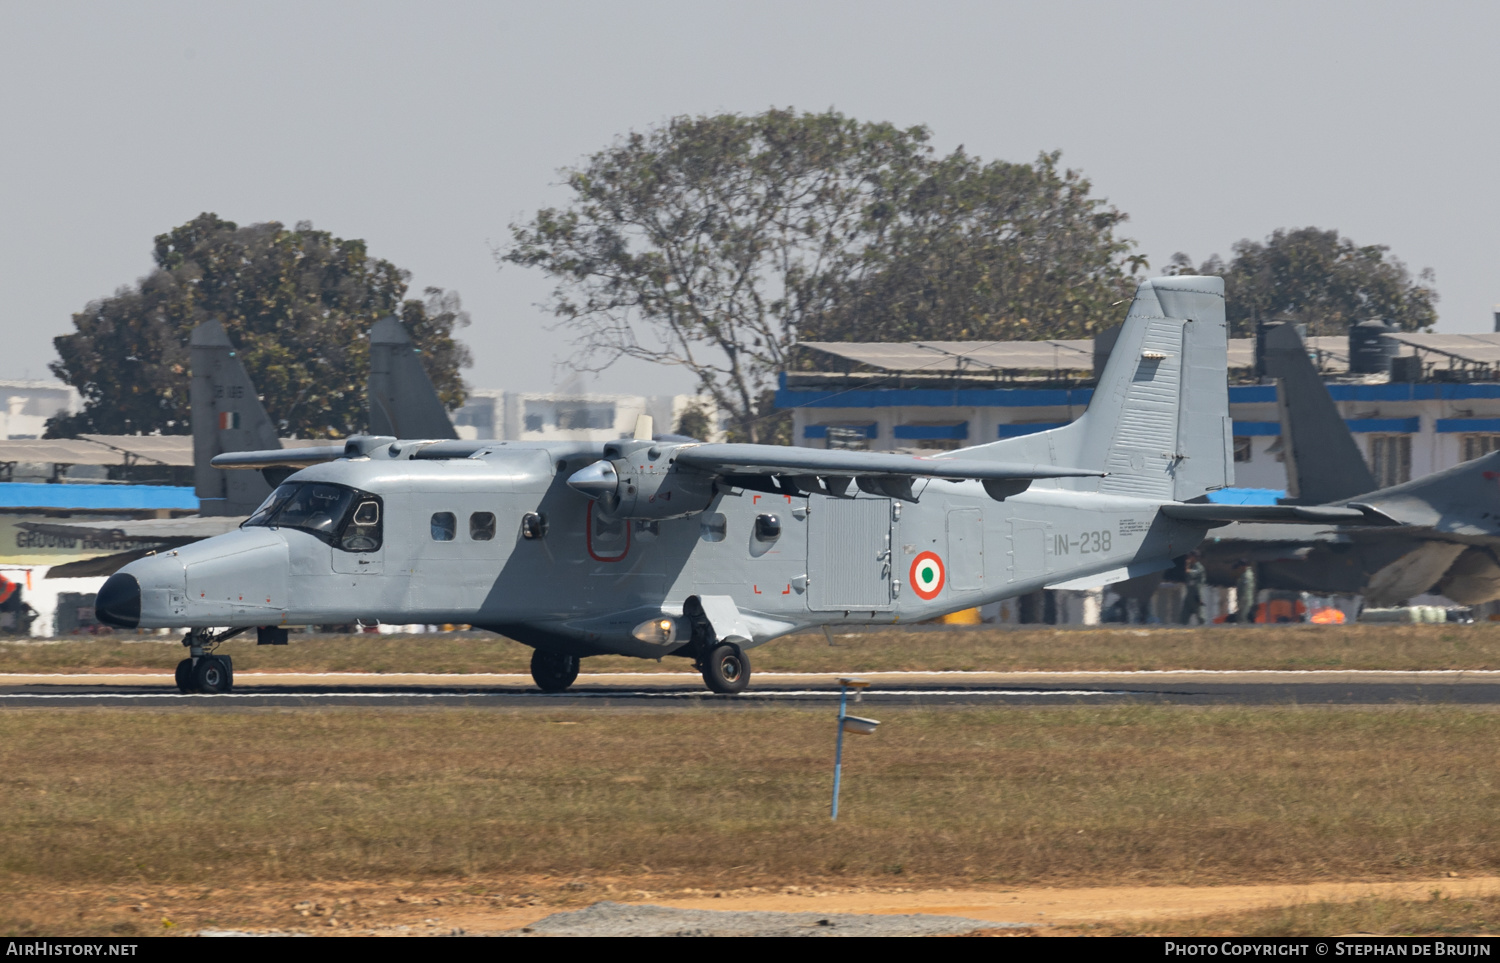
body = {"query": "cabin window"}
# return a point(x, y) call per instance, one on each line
point(533, 525)
point(714, 527)
point(444, 526)
point(767, 528)
point(482, 526)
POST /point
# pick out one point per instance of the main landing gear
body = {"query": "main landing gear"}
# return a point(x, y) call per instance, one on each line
point(725, 668)
point(204, 673)
point(553, 671)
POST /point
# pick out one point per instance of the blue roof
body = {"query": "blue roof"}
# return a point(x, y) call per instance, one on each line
point(97, 497)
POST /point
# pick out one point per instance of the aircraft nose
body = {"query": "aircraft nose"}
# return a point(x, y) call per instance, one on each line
point(119, 602)
point(596, 481)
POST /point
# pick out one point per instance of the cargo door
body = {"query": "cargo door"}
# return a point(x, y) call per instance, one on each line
point(849, 553)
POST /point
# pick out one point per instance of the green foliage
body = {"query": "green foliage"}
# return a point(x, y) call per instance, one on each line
point(715, 243)
point(297, 303)
point(995, 251)
point(1320, 279)
point(696, 421)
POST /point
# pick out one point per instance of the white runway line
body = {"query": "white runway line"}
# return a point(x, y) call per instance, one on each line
point(769, 694)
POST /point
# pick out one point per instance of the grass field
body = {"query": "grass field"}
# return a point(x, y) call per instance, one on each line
point(592, 802)
point(930, 648)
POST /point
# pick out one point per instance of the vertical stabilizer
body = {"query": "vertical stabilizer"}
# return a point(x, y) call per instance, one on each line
point(227, 416)
point(403, 402)
point(1322, 460)
point(1158, 422)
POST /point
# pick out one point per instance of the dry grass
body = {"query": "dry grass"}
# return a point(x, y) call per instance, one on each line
point(1438, 916)
point(1227, 648)
point(1072, 795)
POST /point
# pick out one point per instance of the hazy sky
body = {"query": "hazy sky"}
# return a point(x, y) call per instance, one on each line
point(426, 128)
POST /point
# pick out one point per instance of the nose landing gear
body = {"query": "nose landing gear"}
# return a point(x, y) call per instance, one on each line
point(204, 673)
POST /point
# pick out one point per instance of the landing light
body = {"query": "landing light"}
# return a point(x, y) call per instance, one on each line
point(656, 631)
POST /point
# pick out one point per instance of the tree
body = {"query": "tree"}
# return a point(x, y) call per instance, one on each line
point(716, 243)
point(297, 303)
point(1318, 278)
point(995, 251)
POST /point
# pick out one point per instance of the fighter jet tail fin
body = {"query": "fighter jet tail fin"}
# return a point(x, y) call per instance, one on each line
point(1158, 423)
point(1323, 462)
point(403, 401)
point(227, 417)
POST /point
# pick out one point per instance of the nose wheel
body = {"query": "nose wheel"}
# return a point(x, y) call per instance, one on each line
point(726, 669)
point(209, 675)
point(553, 671)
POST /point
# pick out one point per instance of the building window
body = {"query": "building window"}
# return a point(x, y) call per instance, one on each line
point(1242, 448)
point(1477, 446)
point(1390, 459)
point(444, 526)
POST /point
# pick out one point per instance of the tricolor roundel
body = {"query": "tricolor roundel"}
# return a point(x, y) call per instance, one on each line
point(927, 575)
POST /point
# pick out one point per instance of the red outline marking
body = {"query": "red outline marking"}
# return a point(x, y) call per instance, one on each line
point(588, 538)
point(942, 576)
point(755, 589)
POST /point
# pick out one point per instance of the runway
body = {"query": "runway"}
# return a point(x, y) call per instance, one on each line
point(663, 690)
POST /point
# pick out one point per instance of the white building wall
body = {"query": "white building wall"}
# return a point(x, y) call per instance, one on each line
point(28, 405)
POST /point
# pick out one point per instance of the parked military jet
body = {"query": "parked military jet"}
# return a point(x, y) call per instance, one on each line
point(1442, 532)
point(648, 548)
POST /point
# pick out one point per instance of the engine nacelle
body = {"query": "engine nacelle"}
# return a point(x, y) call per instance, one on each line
point(639, 479)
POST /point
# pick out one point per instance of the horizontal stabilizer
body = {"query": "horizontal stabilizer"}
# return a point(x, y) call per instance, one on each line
point(785, 460)
point(1292, 514)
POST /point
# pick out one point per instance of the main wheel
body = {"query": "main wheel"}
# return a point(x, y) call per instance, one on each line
point(726, 669)
point(213, 675)
point(553, 671)
point(185, 676)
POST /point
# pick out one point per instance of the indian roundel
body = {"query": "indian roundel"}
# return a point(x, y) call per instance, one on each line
point(927, 575)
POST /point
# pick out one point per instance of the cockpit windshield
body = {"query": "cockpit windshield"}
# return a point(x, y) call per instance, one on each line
point(337, 514)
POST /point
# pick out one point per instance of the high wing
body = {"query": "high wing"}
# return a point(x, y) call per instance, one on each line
point(781, 468)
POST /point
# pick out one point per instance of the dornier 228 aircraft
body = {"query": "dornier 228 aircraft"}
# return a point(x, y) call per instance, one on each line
point(649, 549)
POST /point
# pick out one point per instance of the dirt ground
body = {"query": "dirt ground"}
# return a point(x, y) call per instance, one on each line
point(402, 908)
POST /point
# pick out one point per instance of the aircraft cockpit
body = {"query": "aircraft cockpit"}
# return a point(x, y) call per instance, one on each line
point(344, 517)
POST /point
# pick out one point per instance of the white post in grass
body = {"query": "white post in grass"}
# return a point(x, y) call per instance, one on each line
point(854, 724)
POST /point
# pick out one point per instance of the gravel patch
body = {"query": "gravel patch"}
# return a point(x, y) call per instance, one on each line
point(621, 919)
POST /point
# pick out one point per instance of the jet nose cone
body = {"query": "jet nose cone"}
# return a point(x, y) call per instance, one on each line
point(596, 481)
point(119, 602)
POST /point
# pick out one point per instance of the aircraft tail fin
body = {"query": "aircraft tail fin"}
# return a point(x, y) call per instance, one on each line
point(227, 416)
point(1158, 422)
point(1323, 464)
point(403, 401)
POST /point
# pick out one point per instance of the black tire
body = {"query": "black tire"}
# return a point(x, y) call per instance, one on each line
point(553, 671)
point(213, 675)
point(726, 669)
point(185, 677)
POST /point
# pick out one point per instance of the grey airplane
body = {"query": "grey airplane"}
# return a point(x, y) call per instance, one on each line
point(651, 548)
point(1437, 533)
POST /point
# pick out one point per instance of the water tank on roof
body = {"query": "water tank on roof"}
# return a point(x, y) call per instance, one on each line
point(1370, 350)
